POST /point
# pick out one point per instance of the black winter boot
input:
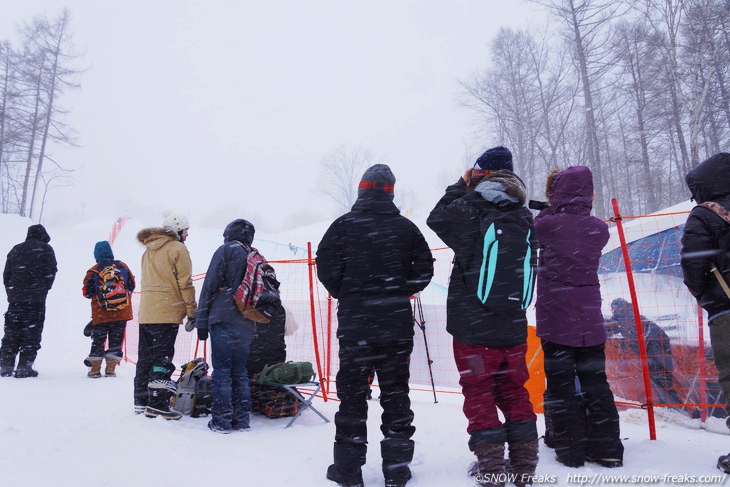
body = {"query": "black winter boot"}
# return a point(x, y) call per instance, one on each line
point(488, 470)
point(6, 371)
point(523, 457)
point(334, 474)
point(160, 393)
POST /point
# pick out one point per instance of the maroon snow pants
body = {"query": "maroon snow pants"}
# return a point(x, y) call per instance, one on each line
point(493, 378)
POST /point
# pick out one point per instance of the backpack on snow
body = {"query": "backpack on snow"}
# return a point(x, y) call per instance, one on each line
point(194, 395)
point(258, 297)
point(111, 290)
point(273, 402)
point(287, 373)
point(503, 273)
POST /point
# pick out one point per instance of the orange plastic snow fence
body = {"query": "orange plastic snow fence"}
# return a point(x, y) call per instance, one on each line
point(536, 383)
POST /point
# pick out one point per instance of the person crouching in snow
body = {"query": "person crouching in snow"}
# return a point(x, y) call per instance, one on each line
point(108, 319)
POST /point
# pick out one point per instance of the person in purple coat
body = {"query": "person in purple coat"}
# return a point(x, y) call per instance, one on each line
point(584, 425)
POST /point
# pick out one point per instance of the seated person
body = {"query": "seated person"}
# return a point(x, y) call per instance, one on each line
point(268, 346)
point(658, 347)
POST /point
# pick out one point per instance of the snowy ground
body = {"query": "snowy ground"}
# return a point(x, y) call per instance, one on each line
point(65, 429)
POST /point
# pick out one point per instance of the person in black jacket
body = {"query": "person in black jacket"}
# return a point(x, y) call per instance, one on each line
point(660, 360)
point(30, 270)
point(490, 334)
point(372, 260)
point(268, 346)
point(706, 246)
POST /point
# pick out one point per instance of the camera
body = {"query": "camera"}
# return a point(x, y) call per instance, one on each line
point(537, 205)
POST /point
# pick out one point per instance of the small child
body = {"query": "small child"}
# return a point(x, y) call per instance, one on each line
point(109, 315)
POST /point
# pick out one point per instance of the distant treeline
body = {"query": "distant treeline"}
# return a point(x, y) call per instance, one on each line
point(33, 78)
point(636, 90)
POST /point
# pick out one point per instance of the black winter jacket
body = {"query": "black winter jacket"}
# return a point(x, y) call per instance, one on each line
point(706, 236)
point(456, 219)
point(30, 268)
point(372, 260)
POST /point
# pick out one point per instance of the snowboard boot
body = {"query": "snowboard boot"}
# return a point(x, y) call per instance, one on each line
point(160, 393)
point(523, 457)
point(723, 463)
point(111, 363)
point(95, 370)
point(335, 475)
point(488, 470)
point(25, 369)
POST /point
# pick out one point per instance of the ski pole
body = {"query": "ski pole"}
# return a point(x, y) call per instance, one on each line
point(421, 322)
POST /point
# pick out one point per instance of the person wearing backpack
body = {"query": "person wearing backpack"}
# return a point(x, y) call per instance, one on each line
point(706, 260)
point(109, 285)
point(491, 234)
point(372, 260)
point(30, 270)
point(585, 425)
point(230, 332)
point(167, 297)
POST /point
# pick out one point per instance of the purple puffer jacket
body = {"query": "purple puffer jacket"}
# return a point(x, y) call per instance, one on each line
point(568, 302)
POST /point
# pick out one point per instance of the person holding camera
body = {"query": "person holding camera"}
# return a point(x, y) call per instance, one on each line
point(583, 426)
point(482, 218)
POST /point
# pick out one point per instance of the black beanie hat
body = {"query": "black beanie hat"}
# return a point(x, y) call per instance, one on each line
point(494, 159)
point(378, 177)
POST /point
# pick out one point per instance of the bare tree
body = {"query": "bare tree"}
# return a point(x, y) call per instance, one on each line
point(341, 171)
point(31, 119)
point(587, 31)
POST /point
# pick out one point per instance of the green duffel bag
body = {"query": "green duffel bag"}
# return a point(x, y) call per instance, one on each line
point(287, 373)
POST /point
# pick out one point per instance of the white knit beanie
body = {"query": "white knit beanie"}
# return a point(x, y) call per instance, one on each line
point(175, 221)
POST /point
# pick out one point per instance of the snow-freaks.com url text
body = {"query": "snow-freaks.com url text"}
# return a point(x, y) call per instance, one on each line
point(666, 479)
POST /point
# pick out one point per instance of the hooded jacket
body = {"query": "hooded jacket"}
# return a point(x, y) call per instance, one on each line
point(225, 273)
point(568, 306)
point(706, 237)
point(104, 258)
point(167, 292)
point(372, 260)
point(457, 219)
point(30, 268)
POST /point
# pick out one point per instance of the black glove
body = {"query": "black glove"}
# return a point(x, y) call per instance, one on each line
point(202, 334)
point(190, 324)
point(87, 329)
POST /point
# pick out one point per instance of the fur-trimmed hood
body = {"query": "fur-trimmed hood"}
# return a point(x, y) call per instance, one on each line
point(502, 187)
point(155, 237)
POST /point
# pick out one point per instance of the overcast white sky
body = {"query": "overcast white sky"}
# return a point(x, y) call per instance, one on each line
point(225, 108)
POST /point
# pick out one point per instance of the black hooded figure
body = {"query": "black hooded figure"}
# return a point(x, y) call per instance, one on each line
point(706, 246)
point(372, 260)
point(30, 270)
point(230, 332)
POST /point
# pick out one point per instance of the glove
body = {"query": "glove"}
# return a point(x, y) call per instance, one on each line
point(87, 329)
point(474, 176)
point(190, 325)
point(202, 334)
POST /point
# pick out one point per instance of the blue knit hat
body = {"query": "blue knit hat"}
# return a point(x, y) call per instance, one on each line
point(103, 251)
point(494, 159)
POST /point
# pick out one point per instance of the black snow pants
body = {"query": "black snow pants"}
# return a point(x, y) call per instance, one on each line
point(585, 423)
point(23, 330)
point(154, 358)
point(391, 364)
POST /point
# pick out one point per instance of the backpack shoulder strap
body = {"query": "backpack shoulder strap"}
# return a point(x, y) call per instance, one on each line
point(718, 209)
